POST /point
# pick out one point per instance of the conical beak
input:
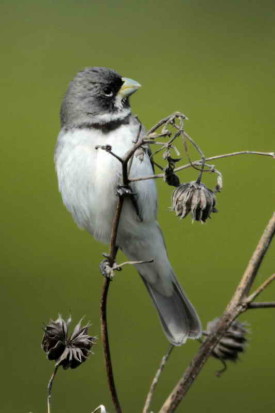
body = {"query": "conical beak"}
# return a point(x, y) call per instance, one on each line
point(129, 87)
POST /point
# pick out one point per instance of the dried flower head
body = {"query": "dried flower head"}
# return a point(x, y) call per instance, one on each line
point(231, 344)
point(68, 352)
point(196, 198)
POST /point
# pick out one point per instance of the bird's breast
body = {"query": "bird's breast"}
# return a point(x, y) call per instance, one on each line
point(88, 177)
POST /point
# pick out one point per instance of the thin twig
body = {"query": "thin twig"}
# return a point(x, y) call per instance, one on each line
point(112, 256)
point(50, 385)
point(156, 379)
point(103, 310)
point(113, 247)
point(196, 146)
point(254, 264)
point(198, 162)
point(236, 306)
point(270, 304)
point(119, 266)
point(261, 288)
point(106, 345)
point(166, 121)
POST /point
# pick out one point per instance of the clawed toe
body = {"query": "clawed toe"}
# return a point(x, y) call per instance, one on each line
point(124, 190)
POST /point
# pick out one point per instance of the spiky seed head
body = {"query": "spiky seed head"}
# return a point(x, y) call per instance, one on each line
point(67, 351)
point(194, 198)
point(232, 343)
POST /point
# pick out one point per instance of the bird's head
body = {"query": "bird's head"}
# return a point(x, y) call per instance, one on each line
point(97, 95)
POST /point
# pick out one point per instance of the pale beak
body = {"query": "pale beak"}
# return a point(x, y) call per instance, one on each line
point(129, 87)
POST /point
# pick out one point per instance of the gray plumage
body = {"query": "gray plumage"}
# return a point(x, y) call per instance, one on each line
point(96, 111)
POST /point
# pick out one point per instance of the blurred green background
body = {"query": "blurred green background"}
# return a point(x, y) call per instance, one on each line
point(214, 61)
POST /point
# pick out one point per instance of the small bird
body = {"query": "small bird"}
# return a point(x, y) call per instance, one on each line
point(96, 111)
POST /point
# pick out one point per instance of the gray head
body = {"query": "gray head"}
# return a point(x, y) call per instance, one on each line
point(97, 96)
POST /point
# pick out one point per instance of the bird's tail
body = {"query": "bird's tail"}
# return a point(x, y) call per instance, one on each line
point(178, 317)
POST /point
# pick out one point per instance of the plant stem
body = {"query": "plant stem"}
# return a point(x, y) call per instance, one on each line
point(50, 385)
point(261, 288)
point(156, 379)
point(103, 311)
point(254, 264)
point(104, 296)
point(270, 304)
point(211, 158)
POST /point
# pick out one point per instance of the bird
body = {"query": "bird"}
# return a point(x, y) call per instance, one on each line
point(96, 111)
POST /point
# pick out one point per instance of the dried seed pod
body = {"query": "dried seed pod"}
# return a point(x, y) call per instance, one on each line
point(68, 352)
point(232, 343)
point(196, 198)
point(55, 336)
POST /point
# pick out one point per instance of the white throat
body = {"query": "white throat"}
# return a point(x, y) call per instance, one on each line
point(110, 117)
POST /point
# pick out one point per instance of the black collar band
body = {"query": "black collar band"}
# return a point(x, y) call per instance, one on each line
point(105, 127)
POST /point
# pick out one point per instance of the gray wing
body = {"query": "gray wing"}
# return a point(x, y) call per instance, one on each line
point(144, 155)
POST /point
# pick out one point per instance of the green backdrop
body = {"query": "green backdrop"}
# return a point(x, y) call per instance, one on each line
point(214, 61)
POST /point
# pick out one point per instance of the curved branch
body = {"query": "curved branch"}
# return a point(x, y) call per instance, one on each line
point(198, 163)
point(111, 258)
point(103, 311)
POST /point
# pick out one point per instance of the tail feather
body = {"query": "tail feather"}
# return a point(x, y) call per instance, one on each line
point(178, 317)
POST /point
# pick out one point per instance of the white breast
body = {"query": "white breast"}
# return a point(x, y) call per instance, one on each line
point(88, 178)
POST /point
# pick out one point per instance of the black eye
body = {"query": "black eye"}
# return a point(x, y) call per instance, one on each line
point(108, 91)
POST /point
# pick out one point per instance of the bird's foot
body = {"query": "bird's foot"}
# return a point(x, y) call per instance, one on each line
point(124, 190)
point(108, 270)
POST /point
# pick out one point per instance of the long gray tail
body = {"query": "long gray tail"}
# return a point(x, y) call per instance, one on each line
point(178, 317)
